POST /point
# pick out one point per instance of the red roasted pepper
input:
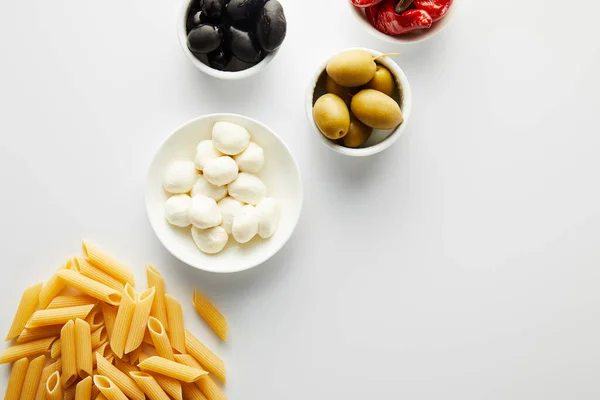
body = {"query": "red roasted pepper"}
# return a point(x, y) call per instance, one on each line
point(372, 12)
point(365, 3)
point(437, 9)
point(396, 24)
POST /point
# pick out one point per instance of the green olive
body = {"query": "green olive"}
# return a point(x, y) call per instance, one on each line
point(376, 109)
point(352, 68)
point(340, 91)
point(357, 135)
point(382, 81)
point(332, 116)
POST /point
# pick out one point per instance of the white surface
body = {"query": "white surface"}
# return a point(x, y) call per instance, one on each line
point(380, 139)
point(461, 263)
point(280, 174)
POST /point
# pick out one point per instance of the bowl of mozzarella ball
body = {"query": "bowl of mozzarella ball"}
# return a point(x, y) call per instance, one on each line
point(224, 193)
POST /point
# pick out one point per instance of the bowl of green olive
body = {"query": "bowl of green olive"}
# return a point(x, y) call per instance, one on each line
point(359, 102)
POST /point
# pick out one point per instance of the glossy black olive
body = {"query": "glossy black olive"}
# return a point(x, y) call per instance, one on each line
point(239, 10)
point(271, 26)
point(244, 46)
point(213, 9)
point(220, 58)
point(204, 39)
point(195, 19)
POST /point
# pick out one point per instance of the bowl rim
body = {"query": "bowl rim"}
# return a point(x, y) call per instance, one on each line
point(388, 141)
point(440, 25)
point(243, 266)
point(224, 75)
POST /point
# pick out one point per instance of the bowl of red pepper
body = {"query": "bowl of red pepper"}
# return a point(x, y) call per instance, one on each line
point(403, 21)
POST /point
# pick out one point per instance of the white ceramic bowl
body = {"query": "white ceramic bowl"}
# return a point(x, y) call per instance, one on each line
point(409, 38)
point(280, 174)
point(226, 75)
point(380, 139)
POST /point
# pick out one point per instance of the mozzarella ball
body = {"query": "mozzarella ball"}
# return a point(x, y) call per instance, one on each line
point(205, 152)
point(221, 171)
point(210, 241)
point(176, 209)
point(247, 188)
point(205, 188)
point(180, 177)
point(269, 212)
point(252, 159)
point(204, 212)
point(245, 224)
point(230, 139)
point(229, 207)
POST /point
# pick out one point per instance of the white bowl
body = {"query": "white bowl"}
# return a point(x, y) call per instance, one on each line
point(408, 38)
point(280, 174)
point(225, 75)
point(380, 139)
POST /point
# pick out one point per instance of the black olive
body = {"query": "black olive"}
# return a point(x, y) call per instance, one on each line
point(195, 19)
point(219, 59)
point(204, 39)
point(271, 26)
point(213, 9)
point(244, 9)
point(244, 46)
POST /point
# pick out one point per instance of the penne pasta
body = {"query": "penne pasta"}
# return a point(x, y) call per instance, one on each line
point(149, 385)
point(96, 392)
point(32, 378)
point(123, 321)
point(55, 349)
point(209, 360)
point(52, 288)
point(87, 269)
point(27, 305)
point(100, 396)
point(122, 380)
point(143, 356)
point(71, 301)
point(54, 387)
point(134, 356)
point(29, 349)
point(99, 337)
point(159, 310)
point(107, 264)
point(210, 314)
point(148, 338)
point(160, 339)
point(109, 313)
point(125, 366)
point(83, 346)
point(102, 350)
point(46, 372)
point(58, 316)
point(191, 392)
point(83, 390)
point(95, 319)
point(16, 380)
point(69, 354)
point(206, 384)
point(171, 369)
point(176, 326)
point(171, 386)
point(69, 393)
point(28, 335)
point(139, 320)
point(90, 287)
point(108, 388)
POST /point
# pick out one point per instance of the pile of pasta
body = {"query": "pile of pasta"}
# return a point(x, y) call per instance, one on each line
point(87, 334)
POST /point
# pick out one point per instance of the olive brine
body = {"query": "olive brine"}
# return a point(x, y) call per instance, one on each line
point(233, 35)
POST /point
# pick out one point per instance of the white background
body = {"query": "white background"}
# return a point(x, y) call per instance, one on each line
point(462, 263)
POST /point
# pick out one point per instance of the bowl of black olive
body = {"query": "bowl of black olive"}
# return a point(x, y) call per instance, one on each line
point(232, 39)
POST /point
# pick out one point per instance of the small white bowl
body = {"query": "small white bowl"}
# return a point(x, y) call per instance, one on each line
point(225, 75)
point(280, 174)
point(408, 38)
point(380, 139)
